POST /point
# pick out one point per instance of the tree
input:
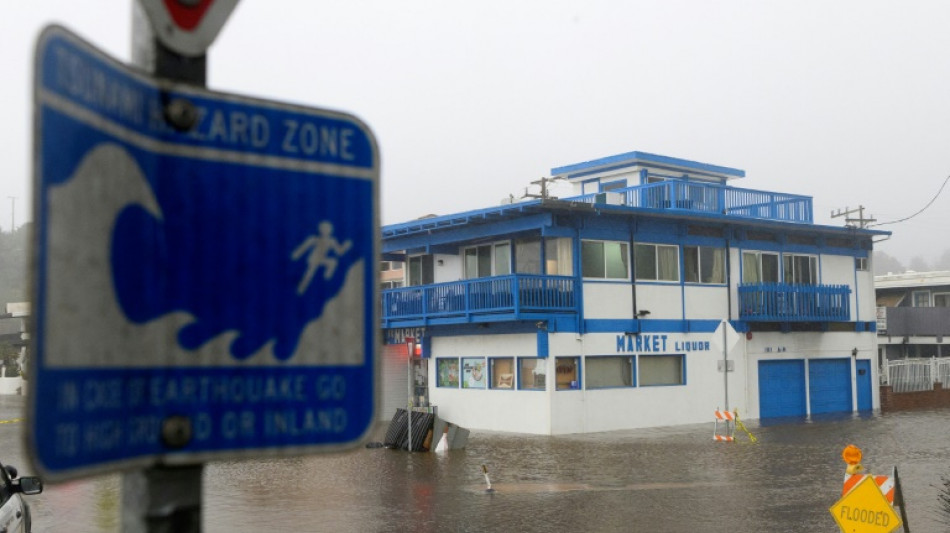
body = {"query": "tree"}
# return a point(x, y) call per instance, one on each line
point(885, 264)
point(917, 264)
point(944, 262)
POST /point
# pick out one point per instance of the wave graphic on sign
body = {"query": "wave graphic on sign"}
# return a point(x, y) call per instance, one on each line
point(201, 287)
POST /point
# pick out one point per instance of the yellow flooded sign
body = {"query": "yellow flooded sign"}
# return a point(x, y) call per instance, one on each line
point(865, 509)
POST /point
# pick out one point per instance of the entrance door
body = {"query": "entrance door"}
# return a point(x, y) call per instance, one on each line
point(782, 388)
point(829, 385)
point(863, 368)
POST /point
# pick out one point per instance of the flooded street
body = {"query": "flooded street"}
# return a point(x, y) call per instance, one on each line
point(662, 480)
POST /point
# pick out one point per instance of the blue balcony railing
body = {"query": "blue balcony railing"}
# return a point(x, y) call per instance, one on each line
point(461, 301)
point(783, 302)
point(710, 198)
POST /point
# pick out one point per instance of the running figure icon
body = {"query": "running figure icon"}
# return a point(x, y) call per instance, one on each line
point(320, 247)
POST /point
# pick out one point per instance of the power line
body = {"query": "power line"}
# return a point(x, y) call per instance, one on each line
point(922, 209)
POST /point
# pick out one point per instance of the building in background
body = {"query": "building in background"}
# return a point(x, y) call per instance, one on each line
point(913, 314)
point(655, 295)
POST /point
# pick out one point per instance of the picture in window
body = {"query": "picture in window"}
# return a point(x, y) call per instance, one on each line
point(568, 374)
point(531, 373)
point(474, 373)
point(502, 372)
point(448, 371)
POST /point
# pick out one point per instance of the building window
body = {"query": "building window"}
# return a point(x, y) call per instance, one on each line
point(394, 284)
point(474, 373)
point(759, 267)
point(558, 260)
point(704, 264)
point(487, 260)
point(528, 256)
point(390, 265)
point(531, 373)
point(502, 372)
point(568, 373)
point(921, 298)
point(861, 263)
point(942, 299)
point(657, 262)
point(613, 185)
point(448, 371)
point(801, 269)
point(604, 259)
point(608, 372)
point(421, 270)
point(661, 370)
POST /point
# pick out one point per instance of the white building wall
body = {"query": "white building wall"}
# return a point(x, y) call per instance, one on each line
point(807, 346)
point(705, 302)
point(520, 411)
point(608, 300)
point(663, 301)
point(449, 270)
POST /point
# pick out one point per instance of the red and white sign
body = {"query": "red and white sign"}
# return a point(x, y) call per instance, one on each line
point(187, 27)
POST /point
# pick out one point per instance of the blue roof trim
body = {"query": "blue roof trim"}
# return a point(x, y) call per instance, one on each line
point(631, 158)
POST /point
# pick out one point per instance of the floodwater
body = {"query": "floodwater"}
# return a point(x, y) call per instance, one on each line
point(661, 480)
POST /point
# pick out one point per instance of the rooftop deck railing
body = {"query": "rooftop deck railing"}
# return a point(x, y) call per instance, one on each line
point(783, 302)
point(710, 198)
point(513, 294)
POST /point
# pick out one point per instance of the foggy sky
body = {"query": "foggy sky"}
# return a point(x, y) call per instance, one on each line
point(845, 101)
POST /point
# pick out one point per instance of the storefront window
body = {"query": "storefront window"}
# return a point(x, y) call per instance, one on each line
point(474, 373)
point(609, 372)
point(531, 373)
point(502, 372)
point(448, 370)
point(568, 373)
point(661, 370)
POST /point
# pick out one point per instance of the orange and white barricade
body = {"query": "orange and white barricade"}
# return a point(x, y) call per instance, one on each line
point(727, 418)
point(885, 483)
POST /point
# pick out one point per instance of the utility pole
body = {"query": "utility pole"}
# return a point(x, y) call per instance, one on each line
point(543, 182)
point(859, 222)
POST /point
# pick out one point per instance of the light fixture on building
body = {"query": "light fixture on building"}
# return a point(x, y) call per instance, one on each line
point(642, 313)
point(854, 352)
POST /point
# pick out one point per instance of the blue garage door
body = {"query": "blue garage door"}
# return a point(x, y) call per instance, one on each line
point(781, 388)
point(829, 385)
point(863, 367)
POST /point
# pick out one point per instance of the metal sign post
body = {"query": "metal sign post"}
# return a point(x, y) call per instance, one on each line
point(205, 278)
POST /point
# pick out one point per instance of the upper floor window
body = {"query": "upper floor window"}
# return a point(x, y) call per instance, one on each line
point(390, 265)
point(390, 284)
point(801, 269)
point(487, 260)
point(558, 259)
point(613, 185)
point(421, 270)
point(921, 299)
point(759, 267)
point(704, 264)
point(604, 259)
point(861, 263)
point(656, 262)
point(528, 256)
point(942, 299)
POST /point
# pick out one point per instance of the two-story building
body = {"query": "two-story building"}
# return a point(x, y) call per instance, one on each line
point(657, 294)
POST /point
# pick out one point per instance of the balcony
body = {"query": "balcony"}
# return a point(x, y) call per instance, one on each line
point(709, 198)
point(782, 302)
point(495, 299)
point(922, 321)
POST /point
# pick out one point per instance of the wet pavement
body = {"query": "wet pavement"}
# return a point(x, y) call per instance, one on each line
point(661, 480)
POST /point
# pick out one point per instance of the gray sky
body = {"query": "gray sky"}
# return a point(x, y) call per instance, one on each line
point(844, 101)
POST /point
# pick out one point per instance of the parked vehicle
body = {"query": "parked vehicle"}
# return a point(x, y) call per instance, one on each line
point(14, 511)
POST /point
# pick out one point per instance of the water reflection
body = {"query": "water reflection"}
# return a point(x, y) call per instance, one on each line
point(669, 479)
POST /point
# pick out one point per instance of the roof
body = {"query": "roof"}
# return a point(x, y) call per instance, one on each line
point(912, 279)
point(633, 158)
